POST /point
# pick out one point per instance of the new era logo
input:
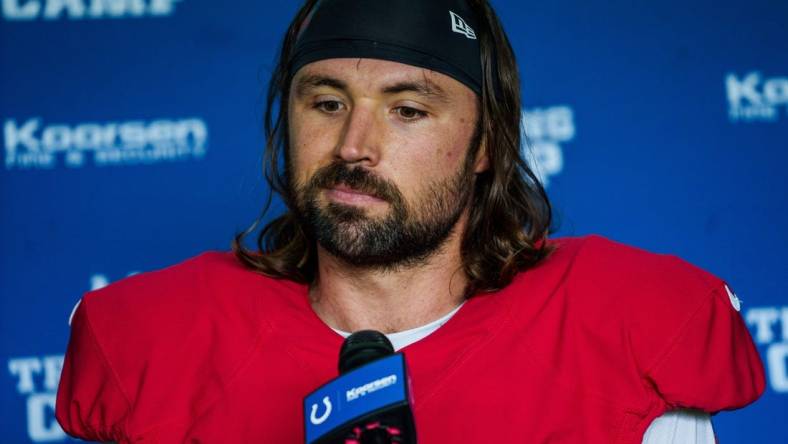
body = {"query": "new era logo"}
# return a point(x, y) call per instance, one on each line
point(459, 26)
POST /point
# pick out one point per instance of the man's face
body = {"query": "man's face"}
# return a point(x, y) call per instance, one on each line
point(381, 158)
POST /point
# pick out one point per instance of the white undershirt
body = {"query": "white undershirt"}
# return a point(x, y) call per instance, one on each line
point(676, 427)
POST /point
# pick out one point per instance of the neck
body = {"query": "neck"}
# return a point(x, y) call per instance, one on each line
point(352, 298)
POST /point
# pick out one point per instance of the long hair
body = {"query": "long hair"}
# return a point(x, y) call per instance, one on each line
point(510, 215)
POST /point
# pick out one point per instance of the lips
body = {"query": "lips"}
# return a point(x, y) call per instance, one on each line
point(347, 189)
point(345, 193)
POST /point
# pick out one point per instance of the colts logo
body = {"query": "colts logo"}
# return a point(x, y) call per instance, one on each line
point(459, 26)
point(317, 420)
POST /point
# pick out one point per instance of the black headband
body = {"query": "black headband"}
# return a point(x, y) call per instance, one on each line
point(435, 34)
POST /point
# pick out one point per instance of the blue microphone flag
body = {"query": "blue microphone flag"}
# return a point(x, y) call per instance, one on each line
point(355, 395)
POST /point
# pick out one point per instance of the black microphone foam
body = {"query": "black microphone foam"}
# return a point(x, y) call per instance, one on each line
point(363, 347)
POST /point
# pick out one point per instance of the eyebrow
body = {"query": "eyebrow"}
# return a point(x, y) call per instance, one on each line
point(311, 81)
point(426, 88)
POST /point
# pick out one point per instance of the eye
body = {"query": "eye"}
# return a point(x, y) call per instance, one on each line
point(408, 113)
point(329, 106)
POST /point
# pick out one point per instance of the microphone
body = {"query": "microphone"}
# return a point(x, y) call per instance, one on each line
point(369, 403)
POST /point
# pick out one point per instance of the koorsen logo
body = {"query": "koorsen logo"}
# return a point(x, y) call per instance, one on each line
point(754, 99)
point(764, 321)
point(370, 387)
point(31, 144)
point(26, 10)
point(545, 129)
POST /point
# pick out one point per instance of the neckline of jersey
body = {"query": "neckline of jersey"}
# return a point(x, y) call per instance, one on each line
point(402, 339)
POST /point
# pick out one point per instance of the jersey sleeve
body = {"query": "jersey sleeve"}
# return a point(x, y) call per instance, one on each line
point(685, 337)
point(90, 403)
point(710, 362)
point(149, 353)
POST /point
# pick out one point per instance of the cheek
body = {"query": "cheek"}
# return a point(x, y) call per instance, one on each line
point(445, 150)
point(429, 161)
point(452, 155)
point(297, 162)
point(309, 146)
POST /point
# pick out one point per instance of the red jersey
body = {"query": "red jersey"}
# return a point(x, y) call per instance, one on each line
point(587, 347)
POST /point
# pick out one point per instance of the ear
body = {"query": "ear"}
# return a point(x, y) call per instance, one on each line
point(482, 161)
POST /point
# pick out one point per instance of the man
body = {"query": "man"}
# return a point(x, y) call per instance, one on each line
point(410, 212)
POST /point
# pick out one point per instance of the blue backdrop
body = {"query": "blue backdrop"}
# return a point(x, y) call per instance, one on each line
point(132, 140)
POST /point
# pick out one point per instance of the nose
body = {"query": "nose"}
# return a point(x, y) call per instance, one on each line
point(359, 140)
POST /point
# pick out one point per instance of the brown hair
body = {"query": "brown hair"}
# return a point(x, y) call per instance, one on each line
point(510, 216)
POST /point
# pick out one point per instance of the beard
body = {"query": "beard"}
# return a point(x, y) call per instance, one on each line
point(406, 235)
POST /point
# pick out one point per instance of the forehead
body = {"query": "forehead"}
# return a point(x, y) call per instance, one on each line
point(377, 75)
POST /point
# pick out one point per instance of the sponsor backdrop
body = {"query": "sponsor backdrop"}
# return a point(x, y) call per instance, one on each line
point(131, 139)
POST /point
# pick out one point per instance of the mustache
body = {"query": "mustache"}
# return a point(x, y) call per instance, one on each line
point(358, 179)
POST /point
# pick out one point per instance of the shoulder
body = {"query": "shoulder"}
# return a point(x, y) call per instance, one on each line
point(212, 293)
point(608, 269)
point(185, 329)
point(617, 292)
point(177, 333)
point(208, 285)
point(664, 317)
